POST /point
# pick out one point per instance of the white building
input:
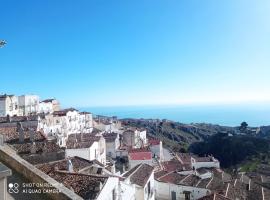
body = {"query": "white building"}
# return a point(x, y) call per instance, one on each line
point(28, 104)
point(8, 105)
point(65, 122)
point(49, 106)
point(142, 176)
point(207, 162)
point(135, 138)
point(157, 150)
point(86, 146)
point(175, 186)
point(112, 143)
point(138, 156)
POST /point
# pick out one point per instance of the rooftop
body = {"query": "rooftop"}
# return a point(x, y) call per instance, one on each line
point(48, 100)
point(63, 112)
point(140, 154)
point(81, 140)
point(110, 137)
point(140, 174)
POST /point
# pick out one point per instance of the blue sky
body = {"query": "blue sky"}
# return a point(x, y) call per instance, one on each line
point(104, 53)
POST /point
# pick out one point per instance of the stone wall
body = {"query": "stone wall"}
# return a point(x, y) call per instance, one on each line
point(9, 156)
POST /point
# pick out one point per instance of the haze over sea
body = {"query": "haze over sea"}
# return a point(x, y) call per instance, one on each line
point(228, 115)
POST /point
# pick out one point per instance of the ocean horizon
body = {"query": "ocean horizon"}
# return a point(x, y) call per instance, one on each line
point(226, 115)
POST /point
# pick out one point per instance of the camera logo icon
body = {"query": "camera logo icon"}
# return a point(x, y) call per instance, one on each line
point(13, 188)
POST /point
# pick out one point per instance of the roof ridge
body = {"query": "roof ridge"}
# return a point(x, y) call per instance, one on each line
point(165, 174)
point(226, 194)
point(209, 182)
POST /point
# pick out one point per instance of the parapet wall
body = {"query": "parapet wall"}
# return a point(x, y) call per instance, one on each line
point(9, 156)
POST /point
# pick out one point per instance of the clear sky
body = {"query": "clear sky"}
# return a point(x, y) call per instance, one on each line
point(104, 53)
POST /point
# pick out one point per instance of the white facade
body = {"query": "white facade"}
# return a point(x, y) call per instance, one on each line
point(109, 190)
point(45, 107)
point(97, 151)
point(116, 190)
point(66, 122)
point(28, 104)
point(133, 163)
point(48, 106)
point(112, 144)
point(146, 192)
point(206, 164)
point(8, 105)
point(135, 138)
point(167, 190)
point(157, 151)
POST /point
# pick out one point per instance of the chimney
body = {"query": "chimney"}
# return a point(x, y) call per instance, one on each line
point(8, 118)
point(31, 131)
point(21, 132)
point(70, 166)
point(33, 148)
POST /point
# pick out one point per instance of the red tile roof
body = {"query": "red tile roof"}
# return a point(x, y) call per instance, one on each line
point(140, 154)
point(153, 142)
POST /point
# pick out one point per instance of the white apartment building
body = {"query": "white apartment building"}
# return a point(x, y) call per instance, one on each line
point(8, 105)
point(28, 104)
point(65, 122)
point(48, 106)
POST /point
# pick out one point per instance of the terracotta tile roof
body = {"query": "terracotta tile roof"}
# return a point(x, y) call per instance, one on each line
point(77, 162)
point(174, 165)
point(185, 158)
point(81, 140)
point(173, 178)
point(153, 142)
point(190, 180)
point(140, 154)
point(203, 183)
point(141, 174)
point(40, 147)
point(86, 186)
point(128, 173)
point(237, 190)
point(12, 136)
point(160, 173)
point(203, 159)
point(214, 197)
point(110, 137)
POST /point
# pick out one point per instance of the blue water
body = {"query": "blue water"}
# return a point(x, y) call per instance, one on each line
point(230, 115)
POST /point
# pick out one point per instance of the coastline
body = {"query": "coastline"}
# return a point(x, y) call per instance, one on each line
point(229, 115)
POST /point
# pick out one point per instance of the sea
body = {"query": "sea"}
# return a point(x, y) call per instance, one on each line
point(226, 115)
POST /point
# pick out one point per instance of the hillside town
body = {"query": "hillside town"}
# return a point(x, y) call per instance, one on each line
point(87, 156)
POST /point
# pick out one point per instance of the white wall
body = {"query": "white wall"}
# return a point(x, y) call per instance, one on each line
point(28, 104)
point(45, 107)
point(127, 191)
point(107, 190)
point(152, 186)
point(198, 165)
point(9, 106)
point(163, 191)
point(83, 153)
point(133, 163)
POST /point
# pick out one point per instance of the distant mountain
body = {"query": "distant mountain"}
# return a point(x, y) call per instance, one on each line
point(177, 136)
